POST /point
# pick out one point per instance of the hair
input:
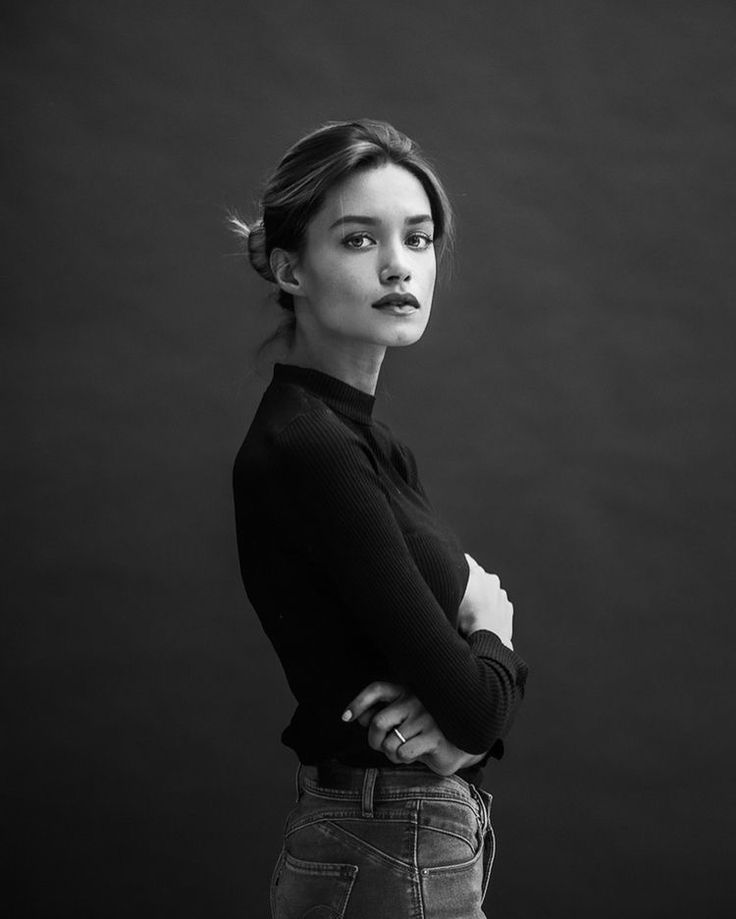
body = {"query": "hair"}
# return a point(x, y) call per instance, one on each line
point(296, 191)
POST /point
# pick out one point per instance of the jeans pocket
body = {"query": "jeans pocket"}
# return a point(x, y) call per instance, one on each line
point(448, 835)
point(454, 890)
point(320, 890)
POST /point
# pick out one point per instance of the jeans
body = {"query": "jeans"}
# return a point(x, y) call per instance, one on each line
point(383, 843)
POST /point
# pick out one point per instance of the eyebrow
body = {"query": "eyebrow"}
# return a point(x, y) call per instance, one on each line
point(372, 222)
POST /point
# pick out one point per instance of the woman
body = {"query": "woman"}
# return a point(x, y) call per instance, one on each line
point(395, 643)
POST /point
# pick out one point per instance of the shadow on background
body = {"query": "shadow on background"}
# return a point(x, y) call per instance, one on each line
point(571, 408)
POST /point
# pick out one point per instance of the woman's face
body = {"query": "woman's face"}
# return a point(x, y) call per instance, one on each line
point(368, 268)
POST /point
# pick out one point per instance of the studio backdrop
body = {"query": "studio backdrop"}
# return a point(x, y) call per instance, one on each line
point(571, 408)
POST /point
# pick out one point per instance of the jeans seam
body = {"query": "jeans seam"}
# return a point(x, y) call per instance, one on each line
point(409, 794)
point(449, 869)
point(345, 835)
point(490, 837)
point(274, 878)
point(437, 829)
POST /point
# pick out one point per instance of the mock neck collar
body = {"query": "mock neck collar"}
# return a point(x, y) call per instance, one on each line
point(340, 396)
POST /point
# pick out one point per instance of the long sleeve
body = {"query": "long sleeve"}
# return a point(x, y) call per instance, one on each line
point(343, 515)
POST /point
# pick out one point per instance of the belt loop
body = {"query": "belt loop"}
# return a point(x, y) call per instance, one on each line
point(487, 800)
point(298, 781)
point(484, 815)
point(369, 782)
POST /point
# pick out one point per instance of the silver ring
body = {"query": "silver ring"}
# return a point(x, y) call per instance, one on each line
point(399, 735)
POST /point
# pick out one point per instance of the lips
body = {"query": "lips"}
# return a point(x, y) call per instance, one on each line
point(396, 300)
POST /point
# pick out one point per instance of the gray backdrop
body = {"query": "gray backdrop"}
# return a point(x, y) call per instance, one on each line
point(571, 407)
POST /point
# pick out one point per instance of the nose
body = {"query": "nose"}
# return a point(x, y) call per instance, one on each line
point(395, 265)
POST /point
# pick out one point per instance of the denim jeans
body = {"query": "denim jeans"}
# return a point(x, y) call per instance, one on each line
point(383, 843)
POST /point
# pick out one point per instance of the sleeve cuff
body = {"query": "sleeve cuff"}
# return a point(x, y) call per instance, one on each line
point(484, 643)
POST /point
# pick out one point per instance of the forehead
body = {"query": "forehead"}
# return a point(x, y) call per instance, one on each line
point(384, 192)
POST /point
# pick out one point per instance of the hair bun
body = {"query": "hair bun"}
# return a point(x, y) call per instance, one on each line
point(257, 251)
point(254, 237)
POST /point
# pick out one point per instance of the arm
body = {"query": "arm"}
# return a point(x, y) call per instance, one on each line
point(471, 686)
point(484, 605)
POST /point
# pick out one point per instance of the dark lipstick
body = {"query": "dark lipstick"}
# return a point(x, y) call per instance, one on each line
point(397, 300)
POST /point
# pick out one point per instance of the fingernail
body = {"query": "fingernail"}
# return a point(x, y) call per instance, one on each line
point(347, 715)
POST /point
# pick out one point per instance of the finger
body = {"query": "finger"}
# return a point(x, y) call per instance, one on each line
point(473, 565)
point(381, 734)
point(393, 716)
point(368, 715)
point(388, 735)
point(420, 745)
point(393, 744)
point(373, 693)
point(390, 745)
point(378, 739)
point(403, 709)
point(419, 734)
point(413, 726)
point(394, 741)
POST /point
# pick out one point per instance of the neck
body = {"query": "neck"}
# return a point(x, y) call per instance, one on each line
point(355, 363)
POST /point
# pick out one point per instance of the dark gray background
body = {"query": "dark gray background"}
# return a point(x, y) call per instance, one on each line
point(572, 408)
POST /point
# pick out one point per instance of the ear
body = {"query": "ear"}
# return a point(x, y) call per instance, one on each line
point(283, 265)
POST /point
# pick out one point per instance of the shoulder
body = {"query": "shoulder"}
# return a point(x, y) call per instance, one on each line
point(293, 427)
point(389, 437)
point(401, 454)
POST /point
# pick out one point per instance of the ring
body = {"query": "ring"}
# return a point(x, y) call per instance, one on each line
point(399, 735)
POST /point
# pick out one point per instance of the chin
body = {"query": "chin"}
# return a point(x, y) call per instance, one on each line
point(404, 338)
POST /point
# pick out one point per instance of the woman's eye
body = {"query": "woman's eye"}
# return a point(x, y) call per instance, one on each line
point(360, 241)
point(419, 241)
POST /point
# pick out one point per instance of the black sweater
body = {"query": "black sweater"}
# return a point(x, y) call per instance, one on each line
point(355, 578)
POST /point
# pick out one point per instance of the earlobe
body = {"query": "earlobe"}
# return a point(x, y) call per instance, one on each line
point(283, 268)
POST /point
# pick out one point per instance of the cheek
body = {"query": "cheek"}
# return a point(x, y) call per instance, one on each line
point(338, 276)
point(428, 292)
point(350, 282)
point(428, 273)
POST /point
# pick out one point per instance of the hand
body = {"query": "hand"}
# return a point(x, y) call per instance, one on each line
point(485, 605)
point(425, 742)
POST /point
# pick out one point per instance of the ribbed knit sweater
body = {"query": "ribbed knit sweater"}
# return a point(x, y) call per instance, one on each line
point(355, 577)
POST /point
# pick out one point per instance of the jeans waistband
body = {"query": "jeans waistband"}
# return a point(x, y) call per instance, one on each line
point(368, 784)
point(332, 773)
